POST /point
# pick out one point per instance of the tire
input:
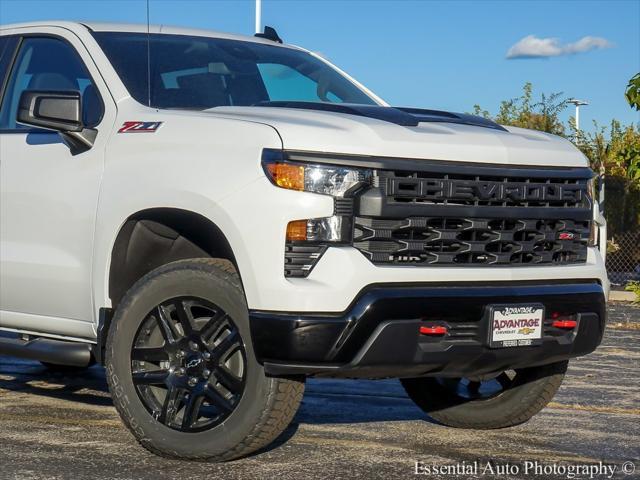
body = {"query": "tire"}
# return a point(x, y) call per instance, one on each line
point(222, 424)
point(509, 399)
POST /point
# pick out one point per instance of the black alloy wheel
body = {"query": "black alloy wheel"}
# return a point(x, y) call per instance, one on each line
point(479, 388)
point(188, 364)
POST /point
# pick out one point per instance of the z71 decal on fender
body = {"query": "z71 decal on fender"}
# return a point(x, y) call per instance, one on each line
point(139, 127)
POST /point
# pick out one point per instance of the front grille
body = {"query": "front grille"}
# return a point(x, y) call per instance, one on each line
point(477, 241)
point(451, 214)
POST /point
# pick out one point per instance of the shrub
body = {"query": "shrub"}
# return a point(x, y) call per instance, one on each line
point(635, 288)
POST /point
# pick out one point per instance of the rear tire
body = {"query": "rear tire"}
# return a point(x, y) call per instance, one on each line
point(193, 389)
point(464, 403)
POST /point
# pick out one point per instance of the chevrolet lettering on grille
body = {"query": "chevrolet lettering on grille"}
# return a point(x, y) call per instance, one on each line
point(459, 189)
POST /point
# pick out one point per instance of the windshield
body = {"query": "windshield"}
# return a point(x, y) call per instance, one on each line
point(193, 72)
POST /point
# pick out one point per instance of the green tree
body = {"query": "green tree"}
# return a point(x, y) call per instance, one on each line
point(633, 92)
point(524, 112)
point(616, 150)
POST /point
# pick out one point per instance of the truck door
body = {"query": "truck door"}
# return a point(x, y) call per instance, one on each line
point(48, 196)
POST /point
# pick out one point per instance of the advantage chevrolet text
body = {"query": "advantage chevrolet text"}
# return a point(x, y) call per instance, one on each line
point(215, 218)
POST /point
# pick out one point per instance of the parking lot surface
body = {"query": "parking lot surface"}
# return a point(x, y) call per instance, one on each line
point(54, 426)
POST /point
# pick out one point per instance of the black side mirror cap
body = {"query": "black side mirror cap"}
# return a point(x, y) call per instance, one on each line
point(60, 111)
point(54, 110)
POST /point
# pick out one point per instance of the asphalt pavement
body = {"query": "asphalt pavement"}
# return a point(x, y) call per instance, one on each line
point(55, 426)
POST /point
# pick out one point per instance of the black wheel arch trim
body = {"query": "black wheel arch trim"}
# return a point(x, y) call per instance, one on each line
point(154, 237)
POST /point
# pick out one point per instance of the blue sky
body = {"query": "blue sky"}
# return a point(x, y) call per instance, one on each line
point(433, 54)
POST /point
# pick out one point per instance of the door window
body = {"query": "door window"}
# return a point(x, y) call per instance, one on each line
point(4, 41)
point(45, 63)
point(7, 48)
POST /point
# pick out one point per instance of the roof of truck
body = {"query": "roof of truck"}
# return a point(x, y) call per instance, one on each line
point(138, 28)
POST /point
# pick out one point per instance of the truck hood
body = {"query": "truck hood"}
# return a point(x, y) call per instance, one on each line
point(436, 138)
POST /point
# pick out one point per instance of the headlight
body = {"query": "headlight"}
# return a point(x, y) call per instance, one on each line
point(334, 180)
point(308, 239)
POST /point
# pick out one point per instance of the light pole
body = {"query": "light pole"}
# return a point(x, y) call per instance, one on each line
point(578, 104)
point(258, 16)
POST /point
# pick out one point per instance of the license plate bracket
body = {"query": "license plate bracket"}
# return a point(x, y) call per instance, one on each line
point(515, 325)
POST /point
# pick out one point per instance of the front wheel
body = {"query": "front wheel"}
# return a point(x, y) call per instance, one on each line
point(181, 368)
point(509, 398)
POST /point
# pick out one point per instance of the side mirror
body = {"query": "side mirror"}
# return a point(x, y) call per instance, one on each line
point(60, 111)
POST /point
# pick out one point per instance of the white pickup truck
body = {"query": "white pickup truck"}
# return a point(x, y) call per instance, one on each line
point(216, 218)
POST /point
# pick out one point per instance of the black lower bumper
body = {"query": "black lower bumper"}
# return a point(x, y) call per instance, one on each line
point(378, 335)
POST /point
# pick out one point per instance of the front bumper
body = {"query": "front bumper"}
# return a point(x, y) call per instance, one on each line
point(378, 335)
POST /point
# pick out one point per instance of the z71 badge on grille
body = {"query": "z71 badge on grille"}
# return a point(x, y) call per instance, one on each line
point(139, 127)
point(566, 236)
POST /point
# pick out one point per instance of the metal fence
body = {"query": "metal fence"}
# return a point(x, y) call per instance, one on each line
point(623, 257)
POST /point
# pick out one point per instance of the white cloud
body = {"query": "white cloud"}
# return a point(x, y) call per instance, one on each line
point(534, 47)
point(587, 43)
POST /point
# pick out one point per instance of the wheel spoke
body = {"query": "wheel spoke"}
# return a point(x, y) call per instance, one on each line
point(504, 380)
point(228, 343)
point(149, 354)
point(213, 326)
point(228, 380)
point(191, 410)
point(184, 316)
point(453, 384)
point(170, 405)
point(473, 388)
point(153, 377)
point(166, 325)
point(215, 398)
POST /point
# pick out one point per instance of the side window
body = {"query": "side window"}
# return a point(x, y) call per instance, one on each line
point(49, 64)
point(4, 41)
point(7, 49)
point(285, 83)
point(4, 58)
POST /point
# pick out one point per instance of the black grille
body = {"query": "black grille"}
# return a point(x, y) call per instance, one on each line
point(300, 258)
point(477, 241)
point(483, 190)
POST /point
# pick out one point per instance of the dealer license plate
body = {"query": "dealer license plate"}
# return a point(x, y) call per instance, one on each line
point(517, 325)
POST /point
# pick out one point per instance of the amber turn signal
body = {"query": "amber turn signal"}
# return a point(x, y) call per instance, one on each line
point(288, 176)
point(297, 231)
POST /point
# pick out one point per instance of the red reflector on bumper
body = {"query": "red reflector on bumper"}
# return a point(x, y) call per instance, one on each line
point(435, 330)
point(565, 324)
